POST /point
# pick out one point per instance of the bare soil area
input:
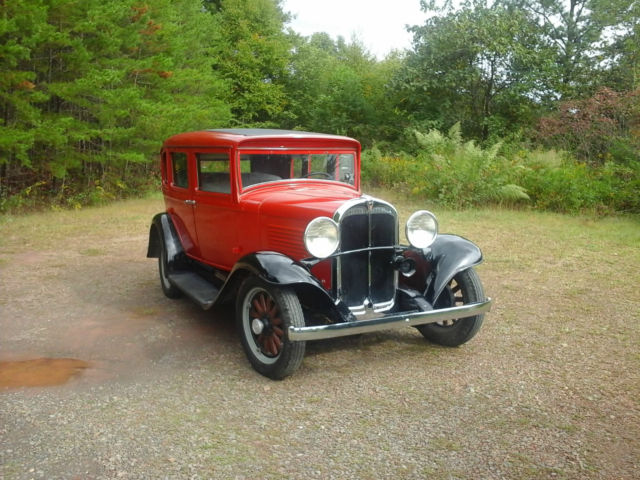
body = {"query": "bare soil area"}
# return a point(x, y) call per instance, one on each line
point(155, 388)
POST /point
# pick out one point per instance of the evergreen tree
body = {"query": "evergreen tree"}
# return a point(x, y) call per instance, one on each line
point(93, 87)
point(252, 55)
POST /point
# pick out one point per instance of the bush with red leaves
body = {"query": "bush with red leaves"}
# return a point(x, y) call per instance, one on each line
point(603, 127)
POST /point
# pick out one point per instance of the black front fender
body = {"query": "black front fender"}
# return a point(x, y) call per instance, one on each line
point(449, 255)
point(279, 270)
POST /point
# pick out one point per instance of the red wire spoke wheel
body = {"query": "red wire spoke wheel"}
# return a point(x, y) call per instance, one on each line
point(264, 313)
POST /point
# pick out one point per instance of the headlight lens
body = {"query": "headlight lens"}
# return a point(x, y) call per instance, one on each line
point(422, 229)
point(321, 237)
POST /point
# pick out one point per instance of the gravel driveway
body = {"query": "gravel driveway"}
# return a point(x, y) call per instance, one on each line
point(541, 392)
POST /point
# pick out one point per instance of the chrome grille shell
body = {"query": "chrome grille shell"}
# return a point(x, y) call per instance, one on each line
point(364, 276)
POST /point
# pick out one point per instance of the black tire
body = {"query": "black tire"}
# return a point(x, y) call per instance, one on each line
point(263, 315)
point(464, 288)
point(168, 288)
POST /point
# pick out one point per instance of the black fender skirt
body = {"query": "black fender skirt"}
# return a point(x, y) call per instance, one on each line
point(162, 230)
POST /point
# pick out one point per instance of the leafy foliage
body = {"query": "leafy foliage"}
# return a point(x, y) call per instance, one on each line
point(251, 53)
point(461, 174)
point(559, 183)
point(90, 89)
point(479, 66)
point(338, 87)
point(450, 171)
point(598, 129)
point(496, 65)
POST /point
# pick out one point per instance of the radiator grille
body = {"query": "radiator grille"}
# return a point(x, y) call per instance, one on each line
point(367, 278)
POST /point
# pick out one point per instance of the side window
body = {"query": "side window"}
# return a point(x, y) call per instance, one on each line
point(163, 167)
point(180, 173)
point(213, 172)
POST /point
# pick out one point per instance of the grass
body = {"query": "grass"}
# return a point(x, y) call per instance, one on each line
point(523, 238)
point(38, 231)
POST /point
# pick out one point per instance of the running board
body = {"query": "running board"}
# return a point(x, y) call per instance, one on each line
point(195, 287)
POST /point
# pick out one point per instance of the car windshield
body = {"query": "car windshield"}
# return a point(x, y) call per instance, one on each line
point(270, 167)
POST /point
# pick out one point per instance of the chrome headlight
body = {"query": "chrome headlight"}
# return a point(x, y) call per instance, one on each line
point(321, 237)
point(422, 229)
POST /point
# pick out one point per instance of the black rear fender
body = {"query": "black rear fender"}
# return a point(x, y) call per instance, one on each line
point(162, 232)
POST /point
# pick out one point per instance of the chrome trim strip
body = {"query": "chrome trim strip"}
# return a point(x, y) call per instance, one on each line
point(384, 306)
point(358, 201)
point(394, 320)
point(368, 306)
point(358, 309)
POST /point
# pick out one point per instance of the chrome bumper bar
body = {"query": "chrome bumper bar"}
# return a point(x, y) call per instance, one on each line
point(393, 320)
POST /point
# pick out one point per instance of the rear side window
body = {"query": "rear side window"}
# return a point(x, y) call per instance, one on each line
point(213, 172)
point(180, 172)
point(163, 168)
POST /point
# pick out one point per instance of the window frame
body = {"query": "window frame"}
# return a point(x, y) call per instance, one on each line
point(293, 152)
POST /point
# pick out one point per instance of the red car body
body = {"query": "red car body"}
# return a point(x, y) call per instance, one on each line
point(277, 219)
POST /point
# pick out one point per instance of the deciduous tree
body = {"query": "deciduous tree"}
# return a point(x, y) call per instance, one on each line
point(479, 65)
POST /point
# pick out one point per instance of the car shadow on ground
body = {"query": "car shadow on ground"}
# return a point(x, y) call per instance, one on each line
point(365, 341)
point(124, 307)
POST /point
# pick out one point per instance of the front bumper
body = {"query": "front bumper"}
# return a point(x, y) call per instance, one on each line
point(390, 321)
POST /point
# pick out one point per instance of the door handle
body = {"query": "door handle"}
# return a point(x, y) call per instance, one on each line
point(190, 202)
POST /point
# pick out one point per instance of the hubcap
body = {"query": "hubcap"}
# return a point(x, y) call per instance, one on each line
point(257, 326)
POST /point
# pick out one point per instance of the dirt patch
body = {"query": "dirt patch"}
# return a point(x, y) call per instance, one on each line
point(39, 372)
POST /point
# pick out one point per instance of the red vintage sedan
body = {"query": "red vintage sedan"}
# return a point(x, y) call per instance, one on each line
point(276, 220)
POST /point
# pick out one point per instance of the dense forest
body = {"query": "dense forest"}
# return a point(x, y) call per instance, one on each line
point(527, 102)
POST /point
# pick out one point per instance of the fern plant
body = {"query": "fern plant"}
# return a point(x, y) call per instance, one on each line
point(461, 174)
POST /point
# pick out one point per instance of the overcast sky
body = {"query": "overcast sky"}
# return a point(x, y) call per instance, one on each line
point(378, 24)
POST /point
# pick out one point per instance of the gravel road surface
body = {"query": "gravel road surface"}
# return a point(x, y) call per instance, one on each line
point(163, 390)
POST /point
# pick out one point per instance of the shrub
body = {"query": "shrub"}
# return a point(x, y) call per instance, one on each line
point(459, 175)
point(595, 128)
point(560, 183)
point(446, 169)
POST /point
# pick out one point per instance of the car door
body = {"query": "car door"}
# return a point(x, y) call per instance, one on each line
point(179, 197)
point(216, 211)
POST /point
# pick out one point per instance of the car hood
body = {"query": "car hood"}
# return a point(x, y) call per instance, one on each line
point(301, 202)
point(284, 211)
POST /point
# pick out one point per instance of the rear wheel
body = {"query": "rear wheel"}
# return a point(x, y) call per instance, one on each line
point(264, 314)
point(464, 288)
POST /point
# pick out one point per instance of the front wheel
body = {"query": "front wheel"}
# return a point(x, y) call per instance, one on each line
point(464, 288)
point(263, 314)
